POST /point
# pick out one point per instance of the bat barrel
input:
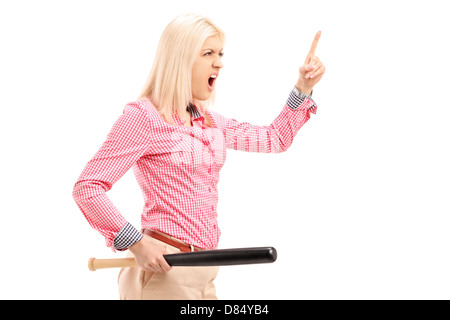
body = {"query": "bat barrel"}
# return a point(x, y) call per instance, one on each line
point(224, 257)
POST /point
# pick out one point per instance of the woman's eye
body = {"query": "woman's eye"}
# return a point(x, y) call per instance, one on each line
point(210, 53)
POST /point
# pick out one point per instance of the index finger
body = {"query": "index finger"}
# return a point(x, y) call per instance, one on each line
point(312, 51)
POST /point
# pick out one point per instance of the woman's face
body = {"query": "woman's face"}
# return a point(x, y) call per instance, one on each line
point(206, 68)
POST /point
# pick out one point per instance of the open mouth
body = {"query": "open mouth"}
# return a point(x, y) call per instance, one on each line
point(211, 81)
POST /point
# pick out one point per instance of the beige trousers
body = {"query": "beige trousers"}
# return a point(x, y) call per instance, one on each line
point(180, 283)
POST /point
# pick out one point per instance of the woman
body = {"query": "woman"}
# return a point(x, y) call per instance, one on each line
point(176, 147)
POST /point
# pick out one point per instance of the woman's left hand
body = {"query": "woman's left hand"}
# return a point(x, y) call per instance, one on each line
point(312, 70)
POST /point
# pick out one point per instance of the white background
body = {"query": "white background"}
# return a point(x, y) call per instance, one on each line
point(358, 207)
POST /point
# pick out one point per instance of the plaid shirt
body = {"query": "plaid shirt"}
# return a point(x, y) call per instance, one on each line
point(177, 168)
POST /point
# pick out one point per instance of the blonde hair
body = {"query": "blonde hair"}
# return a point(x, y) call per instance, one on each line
point(169, 83)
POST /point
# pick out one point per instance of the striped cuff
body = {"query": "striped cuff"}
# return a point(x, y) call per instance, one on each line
point(296, 98)
point(126, 237)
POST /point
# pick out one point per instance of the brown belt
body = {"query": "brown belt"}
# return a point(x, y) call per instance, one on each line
point(184, 247)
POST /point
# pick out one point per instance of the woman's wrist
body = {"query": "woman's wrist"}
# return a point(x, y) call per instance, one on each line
point(134, 248)
point(304, 90)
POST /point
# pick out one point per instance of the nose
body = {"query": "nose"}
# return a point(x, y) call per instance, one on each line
point(217, 64)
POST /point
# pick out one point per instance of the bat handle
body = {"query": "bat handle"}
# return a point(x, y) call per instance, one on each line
point(95, 264)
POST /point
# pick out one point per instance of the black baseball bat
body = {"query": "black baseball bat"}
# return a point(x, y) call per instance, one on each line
point(221, 257)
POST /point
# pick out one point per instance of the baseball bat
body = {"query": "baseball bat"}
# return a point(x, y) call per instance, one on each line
point(222, 257)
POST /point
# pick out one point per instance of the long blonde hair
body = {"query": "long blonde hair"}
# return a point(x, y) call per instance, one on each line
point(169, 83)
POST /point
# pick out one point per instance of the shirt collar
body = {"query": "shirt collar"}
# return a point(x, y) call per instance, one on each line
point(194, 112)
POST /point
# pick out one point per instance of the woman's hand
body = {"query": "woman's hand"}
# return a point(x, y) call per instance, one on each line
point(149, 256)
point(312, 70)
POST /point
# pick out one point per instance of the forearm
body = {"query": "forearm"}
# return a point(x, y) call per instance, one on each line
point(274, 138)
point(292, 118)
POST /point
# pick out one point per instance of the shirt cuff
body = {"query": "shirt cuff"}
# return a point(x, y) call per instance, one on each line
point(126, 237)
point(296, 98)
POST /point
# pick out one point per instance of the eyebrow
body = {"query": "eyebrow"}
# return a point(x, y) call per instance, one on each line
point(212, 50)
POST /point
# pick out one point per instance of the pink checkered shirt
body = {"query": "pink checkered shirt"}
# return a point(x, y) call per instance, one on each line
point(177, 168)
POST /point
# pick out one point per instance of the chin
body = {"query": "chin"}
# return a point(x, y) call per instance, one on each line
point(202, 97)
